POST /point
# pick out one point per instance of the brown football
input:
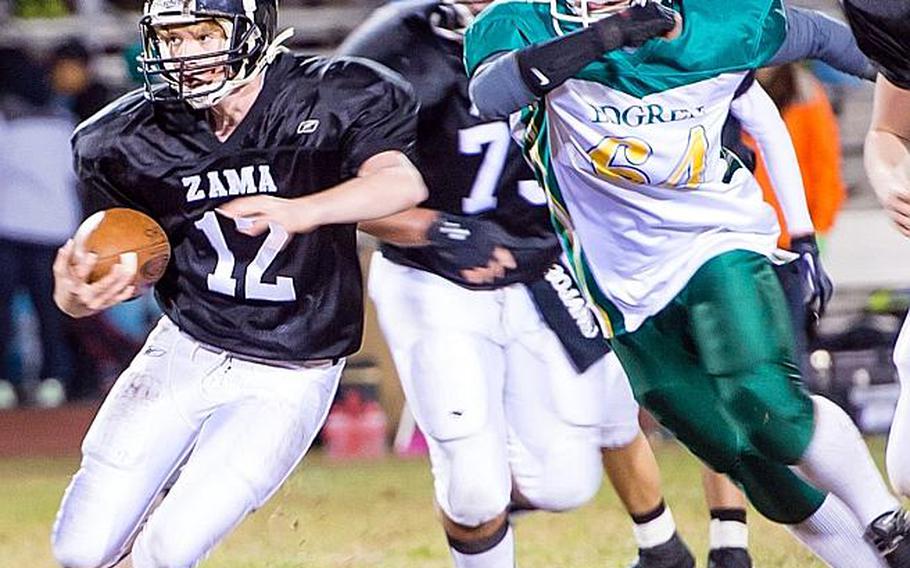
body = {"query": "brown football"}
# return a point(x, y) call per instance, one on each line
point(128, 235)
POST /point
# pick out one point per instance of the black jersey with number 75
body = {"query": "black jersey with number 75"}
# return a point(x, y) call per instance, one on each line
point(276, 296)
point(471, 165)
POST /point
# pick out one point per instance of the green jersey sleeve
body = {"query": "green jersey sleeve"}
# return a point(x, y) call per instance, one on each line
point(505, 26)
point(719, 36)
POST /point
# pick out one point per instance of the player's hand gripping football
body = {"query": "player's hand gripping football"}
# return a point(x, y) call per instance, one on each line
point(75, 296)
point(474, 247)
point(816, 283)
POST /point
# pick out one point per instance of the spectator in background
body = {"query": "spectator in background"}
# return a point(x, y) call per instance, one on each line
point(101, 349)
point(813, 127)
point(39, 209)
point(73, 82)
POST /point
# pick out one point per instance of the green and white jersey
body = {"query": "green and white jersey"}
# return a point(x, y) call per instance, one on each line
point(640, 189)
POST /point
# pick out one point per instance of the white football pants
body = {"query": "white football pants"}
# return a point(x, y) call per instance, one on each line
point(495, 394)
point(234, 429)
point(898, 452)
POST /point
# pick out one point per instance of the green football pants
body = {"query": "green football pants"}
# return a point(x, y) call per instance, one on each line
point(716, 367)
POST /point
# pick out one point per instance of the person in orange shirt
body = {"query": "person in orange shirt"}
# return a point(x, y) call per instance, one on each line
point(813, 128)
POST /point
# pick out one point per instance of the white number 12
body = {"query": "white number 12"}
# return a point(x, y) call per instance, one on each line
point(221, 280)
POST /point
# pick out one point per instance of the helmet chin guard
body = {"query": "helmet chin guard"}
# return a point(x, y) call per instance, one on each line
point(249, 28)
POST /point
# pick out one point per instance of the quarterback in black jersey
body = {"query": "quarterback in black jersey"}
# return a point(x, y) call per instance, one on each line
point(882, 29)
point(257, 164)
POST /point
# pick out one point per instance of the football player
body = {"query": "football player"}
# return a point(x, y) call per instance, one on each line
point(458, 285)
point(262, 298)
point(881, 27)
point(422, 40)
point(671, 241)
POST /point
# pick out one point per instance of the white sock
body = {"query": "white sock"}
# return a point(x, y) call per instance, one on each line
point(502, 555)
point(897, 458)
point(833, 534)
point(728, 534)
point(656, 531)
point(837, 460)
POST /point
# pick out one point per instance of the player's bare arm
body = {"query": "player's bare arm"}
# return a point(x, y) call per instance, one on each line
point(75, 296)
point(419, 227)
point(887, 153)
point(406, 229)
point(386, 183)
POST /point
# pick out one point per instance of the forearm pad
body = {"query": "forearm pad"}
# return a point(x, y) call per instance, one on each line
point(546, 66)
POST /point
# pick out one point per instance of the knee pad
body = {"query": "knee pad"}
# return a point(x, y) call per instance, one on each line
point(471, 501)
point(79, 552)
point(775, 491)
point(166, 546)
point(777, 416)
point(472, 480)
point(570, 476)
point(711, 436)
point(85, 532)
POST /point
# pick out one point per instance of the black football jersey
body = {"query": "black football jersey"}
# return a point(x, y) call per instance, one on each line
point(275, 296)
point(882, 30)
point(471, 166)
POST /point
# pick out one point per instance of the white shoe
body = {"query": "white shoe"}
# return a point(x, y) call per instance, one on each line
point(50, 393)
point(8, 397)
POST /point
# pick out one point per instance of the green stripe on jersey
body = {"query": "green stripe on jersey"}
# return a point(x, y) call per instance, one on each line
point(537, 149)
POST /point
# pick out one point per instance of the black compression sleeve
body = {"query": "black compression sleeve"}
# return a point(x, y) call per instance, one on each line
point(546, 66)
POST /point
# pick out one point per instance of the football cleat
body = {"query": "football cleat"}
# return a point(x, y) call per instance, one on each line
point(890, 534)
point(729, 558)
point(672, 554)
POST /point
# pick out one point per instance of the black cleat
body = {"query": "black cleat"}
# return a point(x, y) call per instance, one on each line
point(890, 534)
point(672, 554)
point(729, 558)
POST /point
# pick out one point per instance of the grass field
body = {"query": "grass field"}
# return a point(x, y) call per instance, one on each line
point(380, 515)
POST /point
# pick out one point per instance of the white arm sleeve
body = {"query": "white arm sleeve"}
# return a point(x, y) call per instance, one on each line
point(760, 118)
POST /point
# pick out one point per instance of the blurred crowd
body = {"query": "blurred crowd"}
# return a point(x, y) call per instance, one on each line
point(46, 358)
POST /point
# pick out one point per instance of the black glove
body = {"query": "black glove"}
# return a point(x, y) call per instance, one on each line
point(817, 287)
point(466, 242)
point(634, 26)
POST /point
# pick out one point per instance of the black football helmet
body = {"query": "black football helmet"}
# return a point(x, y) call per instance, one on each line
point(249, 26)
